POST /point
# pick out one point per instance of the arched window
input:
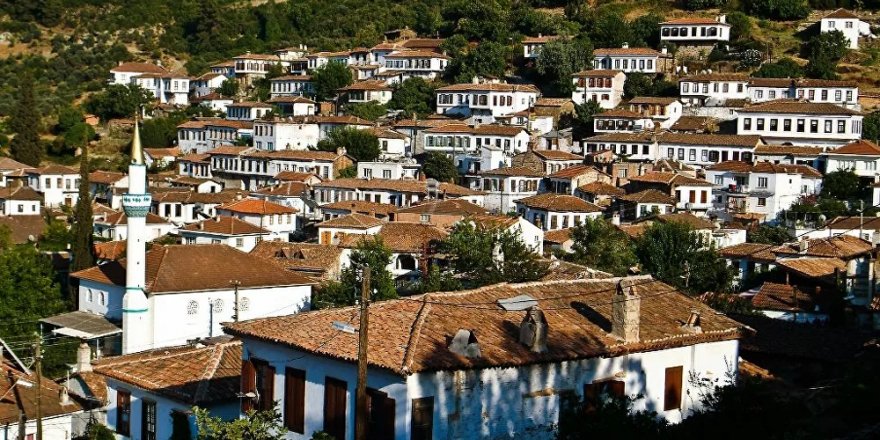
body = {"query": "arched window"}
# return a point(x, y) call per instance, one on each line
point(103, 298)
point(192, 308)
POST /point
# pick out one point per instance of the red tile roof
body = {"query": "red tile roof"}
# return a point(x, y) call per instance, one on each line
point(294, 176)
point(649, 196)
point(557, 155)
point(255, 206)
point(575, 171)
point(444, 207)
point(512, 171)
point(626, 51)
point(415, 331)
point(195, 268)
point(403, 237)
point(352, 221)
point(782, 297)
point(597, 73)
point(813, 267)
point(799, 108)
point(195, 375)
point(559, 203)
point(225, 225)
point(140, 68)
point(694, 20)
point(841, 13)
point(110, 250)
point(489, 87)
point(602, 189)
point(859, 147)
point(21, 400)
point(362, 207)
point(841, 246)
point(753, 251)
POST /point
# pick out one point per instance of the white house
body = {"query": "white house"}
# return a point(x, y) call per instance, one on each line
point(425, 64)
point(247, 111)
point(602, 86)
point(860, 156)
point(336, 229)
point(366, 91)
point(453, 389)
point(214, 101)
point(531, 235)
point(532, 45)
point(713, 89)
point(20, 200)
point(552, 212)
point(58, 184)
point(183, 205)
point(848, 23)
point(621, 121)
point(664, 111)
point(167, 88)
point(252, 66)
point(152, 393)
point(291, 85)
point(250, 168)
point(504, 186)
point(645, 203)
point(227, 230)
point(482, 103)
point(701, 149)
point(401, 169)
point(632, 59)
point(840, 92)
point(695, 31)
point(800, 123)
point(461, 138)
point(294, 105)
point(206, 84)
point(689, 194)
point(125, 73)
point(393, 144)
point(279, 219)
point(764, 188)
point(394, 192)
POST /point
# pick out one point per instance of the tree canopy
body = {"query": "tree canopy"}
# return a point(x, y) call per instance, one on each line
point(558, 60)
point(369, 251)
point(25, 122)
point(439, 166)
point(600, 245)
point(360, 144)
point(329, 78)
point(119, 101)
point(414, 96)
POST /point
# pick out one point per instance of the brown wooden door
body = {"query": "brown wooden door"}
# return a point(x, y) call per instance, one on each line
point(335, 403)
point(294, 399)
point(422, 419)
point(672, 388)
point(380, 425)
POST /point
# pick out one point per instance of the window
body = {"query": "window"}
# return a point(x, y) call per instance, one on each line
point(380, 415)
point(814, 126)
point(595, 391)
point(239, 242)
point(692, 155)
point(838, 95)
point(103, 296)
point(148, 420)
point(762, 201)
point(841, 126)
point(747, 123)
point(786, 125)
point(774, 124)
point(335, 394)
point(294, 399)
point(190, 240)
point(681, 154)
point(828, 126)
point(672, 388)
point(760, 123)
point(800, 126)
point(847, 24)
point(123, 412)
point(824, 95)
point(719, 180)
point(422, 419)
point(762, 182)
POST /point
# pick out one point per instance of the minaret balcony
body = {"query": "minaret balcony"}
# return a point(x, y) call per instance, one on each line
point(136, 205)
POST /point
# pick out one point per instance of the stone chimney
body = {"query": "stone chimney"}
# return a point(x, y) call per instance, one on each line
point(533, 330)
point(615, 218)
point(664, 50)
point(63, 396)
point(341, 151)
point(693, 323)
point(83, 358)
point(803, 245)
point(625, 45)
point(722, 18)
point(625, 313)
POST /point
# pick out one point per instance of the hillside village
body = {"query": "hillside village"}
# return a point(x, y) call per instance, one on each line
point(396, 242)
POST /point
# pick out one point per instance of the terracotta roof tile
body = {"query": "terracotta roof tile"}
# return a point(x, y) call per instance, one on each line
point(362, 207)
point(160, 152)
point(859, 147)
point(597, 73)
point(694, 20)
point(140, 68)
point(557, 155)
point(54, 169)
point(7, 163)
point(575, 171)
point(190, 374)
point(512, 171)
point(558, 236)
point(492, 221)
point(692, 123)
point(352, 221)
point(295, 176)
point(24, 399)
point(559, 270)
point(540, 39)
point(619, 113)
point(284, 189)
point(559, 203)
point(841, 13)
point(688, 219)
point(194, 268)
point(225, 225)
point(652, 100)
point(19, 193)
point(110, 250)
point(400, 237)
point(710, 77)
point(649, 196)
point(489, 87)
point(24, 227)
point(626, 51)
point(782, 297)
point(444, 207)
point(416, 330)
point(411, 186)
point(813, 267)
point(841, 246)
point(643, 138)
point(300, 257)
point(601, 189)
point(800, 82)
point(119, 218)
point(752, 251)
point(788, 149)
point(367, 85)
point(709, 139)
point(853, 222)
point(255, 206)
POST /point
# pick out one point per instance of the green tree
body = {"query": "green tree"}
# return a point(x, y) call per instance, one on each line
point(740, 26)
point(582, 120)
point(414, 96)
point(481, 255)
point(439, 166)
point(68, 116)
point(160, 132)
point(369, 251)
point(83, 229)
point(487, 59)
point(784, 68)
point(824, 51)
point(28, 289)
point(609, 417)
point(370, 111)
point(610, 29)
point(329, 78)
point(600, 245)
point(229, 87)
point(840, 185)
point(5, 237)
point(646, 30)
point(486, 20)
point(871, 126)
point(348, 172)
point(78, 136)
point(56, 238)
point(256, 425)
point(696, 5)
point(770, 235)
point(360, 144)
point(679, 256)
point(119, 101)
point(777, 9)
point(558, 60)
point(97, 431)
point(25, 122)
point(638, 84)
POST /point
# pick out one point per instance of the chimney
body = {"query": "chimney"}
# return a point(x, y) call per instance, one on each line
point(615, 219)
point(722, 18)
point(341, 151)
point(625, 45)
point(625, 313)
point(693, 322)
point(533, 330)
point(465, 343)
point(804, 245)
point(664, 50)
point(63, 396)
point(83, 358)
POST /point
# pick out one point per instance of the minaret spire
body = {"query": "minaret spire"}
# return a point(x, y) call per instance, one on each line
point(137, 331)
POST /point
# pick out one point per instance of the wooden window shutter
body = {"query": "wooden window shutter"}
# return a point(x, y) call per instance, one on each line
point(267, 393)
point(616, 388)
point(422, 419)
point(294, 400)
point(591, 397)
point(381, 410)
point(672, 388)
point(248, 384)
point(334, 407)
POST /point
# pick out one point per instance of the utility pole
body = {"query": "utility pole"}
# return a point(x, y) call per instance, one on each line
point(38, 366)
point(861, 217)
point(360, 418)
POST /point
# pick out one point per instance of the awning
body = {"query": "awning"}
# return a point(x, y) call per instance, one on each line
point(82, 325)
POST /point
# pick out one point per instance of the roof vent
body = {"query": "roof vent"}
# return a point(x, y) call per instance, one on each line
point(517, 303)
point(693, 323)
point(533, 330)
point(465, 343)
